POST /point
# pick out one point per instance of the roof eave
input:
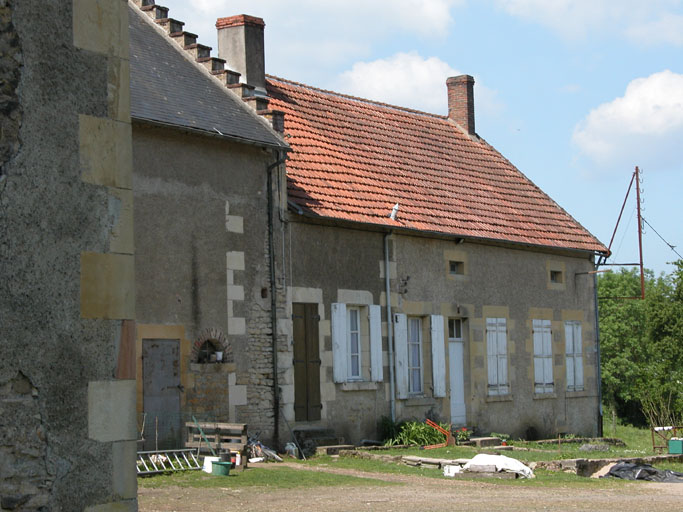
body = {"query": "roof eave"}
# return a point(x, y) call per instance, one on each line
point(199, 131)
point(368, 226)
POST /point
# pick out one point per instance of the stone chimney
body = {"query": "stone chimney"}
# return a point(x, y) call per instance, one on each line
point(240, 43)
point(461, 101)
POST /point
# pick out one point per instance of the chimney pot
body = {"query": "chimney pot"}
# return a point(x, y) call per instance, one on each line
point(461, 101)
point(240, 43)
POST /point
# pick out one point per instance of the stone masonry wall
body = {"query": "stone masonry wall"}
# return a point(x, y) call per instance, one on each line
point(67, 423)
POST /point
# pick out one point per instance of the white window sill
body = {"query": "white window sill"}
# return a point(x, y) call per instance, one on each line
point(359, 385)
point(578, 394)
point(419, 401)
point(500, 398)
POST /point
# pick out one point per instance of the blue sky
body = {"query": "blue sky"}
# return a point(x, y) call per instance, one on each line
point(575, 93)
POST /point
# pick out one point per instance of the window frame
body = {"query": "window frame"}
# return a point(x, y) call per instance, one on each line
point(456, 267)
point(500, 387)
point(542, 338)
point(350, 312)
point(575, 327)
point(415, 387)
point(456, 321)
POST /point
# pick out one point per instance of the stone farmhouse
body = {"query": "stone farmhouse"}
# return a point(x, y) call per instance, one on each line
point(311, 259)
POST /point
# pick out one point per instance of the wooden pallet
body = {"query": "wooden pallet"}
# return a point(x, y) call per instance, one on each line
point(221, 436)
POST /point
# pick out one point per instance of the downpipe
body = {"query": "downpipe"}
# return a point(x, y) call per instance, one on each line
point(273, 297)
point(390, 327)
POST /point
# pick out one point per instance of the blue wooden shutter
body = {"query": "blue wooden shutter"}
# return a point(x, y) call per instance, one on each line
point(438, 356)
point(340, 350)
point(376, 364)
point(401, 354)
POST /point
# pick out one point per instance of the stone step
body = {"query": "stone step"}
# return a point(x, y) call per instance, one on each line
point(170, 25)
point(199, 51)
point(227, 76)
point(257, 102)
point(154, 11)
point(184, 38)
point(482, 442)
point(242, 90)
point(212, 63)
point(333, 449)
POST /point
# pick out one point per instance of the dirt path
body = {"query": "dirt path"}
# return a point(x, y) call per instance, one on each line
point(414, 493)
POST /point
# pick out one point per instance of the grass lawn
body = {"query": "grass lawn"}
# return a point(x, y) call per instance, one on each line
point(543, 477)
point(274, 478)
point(638, 443)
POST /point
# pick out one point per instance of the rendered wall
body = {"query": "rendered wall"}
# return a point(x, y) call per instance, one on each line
point(67, 434)
point(332, 264)
point(202, 264)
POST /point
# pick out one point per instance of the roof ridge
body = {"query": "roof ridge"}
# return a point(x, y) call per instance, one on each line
point(357, 98)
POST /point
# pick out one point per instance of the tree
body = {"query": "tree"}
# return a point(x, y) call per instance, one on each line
point(642, 345)
point(623, 342)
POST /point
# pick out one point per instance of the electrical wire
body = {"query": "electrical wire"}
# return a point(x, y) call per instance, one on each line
point(672, 247)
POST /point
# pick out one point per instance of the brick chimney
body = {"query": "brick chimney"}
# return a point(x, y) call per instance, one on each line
point(240, 43)
point(461, 101)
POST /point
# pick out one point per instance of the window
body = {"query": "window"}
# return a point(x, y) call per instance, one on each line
point(415, 355)
point(574, 356)
point(556, 277)
point(455, 329)
point(497, 358)
point(456, 267)
point(356, 342)
point(353, 316)
point(543, 357)
point(208, 353)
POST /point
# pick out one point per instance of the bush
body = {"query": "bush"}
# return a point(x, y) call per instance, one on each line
point(417, 433)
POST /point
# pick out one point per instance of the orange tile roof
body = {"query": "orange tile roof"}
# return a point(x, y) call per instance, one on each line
point(354, 159)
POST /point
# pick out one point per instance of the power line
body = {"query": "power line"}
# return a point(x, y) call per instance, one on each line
point(672, 247)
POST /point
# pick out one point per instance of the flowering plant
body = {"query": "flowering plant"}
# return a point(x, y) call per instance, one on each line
point(462, 435)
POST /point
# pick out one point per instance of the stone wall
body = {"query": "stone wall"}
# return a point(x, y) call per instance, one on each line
point(202, 264)
point(334, 264)
point(67, 430)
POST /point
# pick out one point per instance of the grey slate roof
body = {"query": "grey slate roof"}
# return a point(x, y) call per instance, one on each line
point(167, 88)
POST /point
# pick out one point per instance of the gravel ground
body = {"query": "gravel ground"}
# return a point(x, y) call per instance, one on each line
point(415, 493)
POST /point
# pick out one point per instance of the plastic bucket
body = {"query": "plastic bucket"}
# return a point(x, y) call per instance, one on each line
point(221, 468)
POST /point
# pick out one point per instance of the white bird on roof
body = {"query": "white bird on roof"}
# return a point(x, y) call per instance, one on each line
point(394, 211)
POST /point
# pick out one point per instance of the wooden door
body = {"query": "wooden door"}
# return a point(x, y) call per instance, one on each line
point(307, 405)
point(161, 394)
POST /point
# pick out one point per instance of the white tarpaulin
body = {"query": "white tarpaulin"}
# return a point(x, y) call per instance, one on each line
point(501, 463)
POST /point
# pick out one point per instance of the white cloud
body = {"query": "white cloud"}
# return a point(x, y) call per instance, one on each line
point(409, 80)
point(575, 19)
point(666, 30)
point(308, 39)
point(644, 126)
point(404, 79)
point(428, 18)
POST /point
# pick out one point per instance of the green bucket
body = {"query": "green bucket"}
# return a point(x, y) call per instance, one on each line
point(221, 468)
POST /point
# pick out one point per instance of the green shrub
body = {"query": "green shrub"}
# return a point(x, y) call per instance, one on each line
point(417, 433)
